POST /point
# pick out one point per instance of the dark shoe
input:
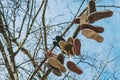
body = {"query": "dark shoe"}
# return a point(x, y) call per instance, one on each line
point(99, 15)
point(72, 67)
point(57, 64)
point(59, 38)
point(92, 6)
point(97, 29)
point(77, 20)
point(77, 45)
point(61, 58)
point(56, 44)
point(92, 35)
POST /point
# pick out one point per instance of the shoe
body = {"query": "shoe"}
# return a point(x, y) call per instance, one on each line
point(97, 29)
point(77, 45)
point(50, 54)
point(77, 20)
point(59, 38)
point(72, 67)
point(54, 70)
point(70, 46)
point(92, 6)
point(61, 58)
point(99, 15)
point(92, 35)
point(55, 63)
point(63, 46)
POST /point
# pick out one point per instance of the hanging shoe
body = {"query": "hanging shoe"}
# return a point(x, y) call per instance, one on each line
point(72, 67)
point(91, 6)
point(70, 46)
point(97, 29)
point(77, 45)
point(77, 20)
point(59, 38)
point(61, 58)
point(55, 63)
point(99, 15)
point(63, 46)
point(92, 35)
point(54, 70)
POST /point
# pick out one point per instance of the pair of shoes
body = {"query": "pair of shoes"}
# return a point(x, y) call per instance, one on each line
point(91, 32)
point(72, 67)
point(71, 47)
point(56, 61)
point(67, 47)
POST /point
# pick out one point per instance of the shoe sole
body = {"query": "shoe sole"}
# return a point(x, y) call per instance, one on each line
point(94, 28)
point(77, 44)
point(92, 35)
point(63, 46)
point(99, 15)
point(92, 6)
point(72, 67)
point(55, 63)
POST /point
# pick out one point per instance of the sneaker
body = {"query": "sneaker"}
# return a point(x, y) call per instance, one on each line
point(55, 63)
point(59, 38)
point(70, 46)
point(99, 15)
point(63, 46)
point(72, 67)
point(77, 45)
point(92, 6)
point(92, 35)
point(61, 58)
point(77, 20)
point(97, 29)
point(53, 69)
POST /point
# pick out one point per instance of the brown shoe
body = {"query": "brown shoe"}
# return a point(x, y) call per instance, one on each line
point(55, 63)
point(92, 6)
point(70, 46)
point(63, 46)
point(77, 20)
point(54, 70)
point(61, 58)
point(92, 35)
point(72, 67)
point(77, 45)
point(97, 29)
point(99, 15)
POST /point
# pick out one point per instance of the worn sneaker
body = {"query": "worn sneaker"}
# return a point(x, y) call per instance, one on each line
point(97, 29)
point(70, 46)
point(92, 35)
point(61, 58)
point(72, 67)
point(99, 15)
point(59, 38)
point(53, 69)
point(64, 47)
point(91, 6)
point(77, 45)
point(55, 63)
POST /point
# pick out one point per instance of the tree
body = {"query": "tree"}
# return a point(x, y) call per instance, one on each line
point(27, 29)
